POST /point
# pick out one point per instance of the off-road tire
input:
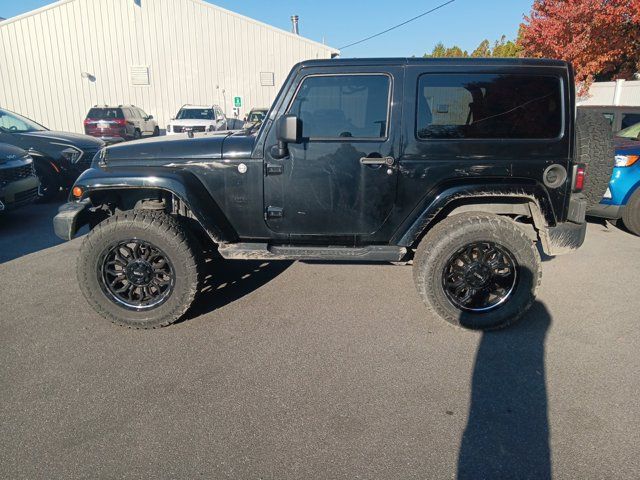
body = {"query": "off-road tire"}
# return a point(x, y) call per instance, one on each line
point(594, 147)
point(455, 232)
point(137, 134)
point(163, 231)
point(631, 213)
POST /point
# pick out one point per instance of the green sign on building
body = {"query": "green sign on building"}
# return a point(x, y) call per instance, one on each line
point(237, 102)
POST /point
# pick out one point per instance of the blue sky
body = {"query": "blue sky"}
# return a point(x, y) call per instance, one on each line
point(340, 22)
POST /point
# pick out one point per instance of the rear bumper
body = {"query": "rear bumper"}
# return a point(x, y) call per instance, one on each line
point(71, 216)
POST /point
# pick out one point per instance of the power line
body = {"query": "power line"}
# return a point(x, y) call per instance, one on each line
point(399, 25)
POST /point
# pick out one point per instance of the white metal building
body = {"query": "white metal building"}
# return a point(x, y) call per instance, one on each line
point(58, 61)
point(620, 92)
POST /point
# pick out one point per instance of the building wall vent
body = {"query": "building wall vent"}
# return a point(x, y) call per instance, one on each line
point(267, 79)
point(139, 75)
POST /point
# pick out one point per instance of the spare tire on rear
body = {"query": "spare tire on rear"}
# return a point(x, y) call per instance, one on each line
point(594, 148)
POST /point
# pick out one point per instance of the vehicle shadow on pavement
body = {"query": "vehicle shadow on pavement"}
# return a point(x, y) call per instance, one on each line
point(226, 281)
point(27, 230)
point(507, 432)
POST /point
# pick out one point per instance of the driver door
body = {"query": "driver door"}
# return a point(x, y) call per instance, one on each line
point(341, 180)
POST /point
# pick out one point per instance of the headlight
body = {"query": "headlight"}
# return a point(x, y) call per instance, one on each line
point(626, 160)
point(99, 159)
point(72, 154)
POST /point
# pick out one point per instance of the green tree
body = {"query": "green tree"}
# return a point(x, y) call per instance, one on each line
point(482, 50)
point(438, 51)
point(504, 48)
point(501, 48)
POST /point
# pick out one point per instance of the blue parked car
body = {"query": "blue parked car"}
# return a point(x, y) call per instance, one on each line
point(622, 199)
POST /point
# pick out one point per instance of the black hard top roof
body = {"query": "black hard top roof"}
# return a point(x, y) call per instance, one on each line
point(538, 62)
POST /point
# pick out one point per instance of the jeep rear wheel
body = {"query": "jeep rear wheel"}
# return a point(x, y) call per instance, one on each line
point(478, 271)
point(139, 269)
point(594, 148)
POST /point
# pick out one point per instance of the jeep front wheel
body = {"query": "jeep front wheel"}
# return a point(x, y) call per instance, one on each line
point(478, 271)
point(139, 269)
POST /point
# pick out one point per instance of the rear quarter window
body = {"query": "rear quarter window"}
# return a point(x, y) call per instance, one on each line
point(484, 106)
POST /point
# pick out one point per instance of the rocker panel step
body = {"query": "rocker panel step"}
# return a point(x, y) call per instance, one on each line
point(264, 251)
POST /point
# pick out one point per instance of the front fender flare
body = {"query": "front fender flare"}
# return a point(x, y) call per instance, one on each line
point(184, 185)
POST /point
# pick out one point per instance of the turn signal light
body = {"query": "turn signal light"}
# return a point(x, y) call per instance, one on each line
point(77, 192)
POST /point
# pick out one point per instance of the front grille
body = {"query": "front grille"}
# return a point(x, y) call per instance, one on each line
point(8, 175)
point(180, 129)
point(26, 195)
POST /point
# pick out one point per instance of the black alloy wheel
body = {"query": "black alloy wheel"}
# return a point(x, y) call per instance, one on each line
point(136, 275)
point(479, 277)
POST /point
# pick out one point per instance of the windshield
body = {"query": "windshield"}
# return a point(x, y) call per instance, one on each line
point(632, 132)
point(13, 123)
point(257, 116)
point(196, 114)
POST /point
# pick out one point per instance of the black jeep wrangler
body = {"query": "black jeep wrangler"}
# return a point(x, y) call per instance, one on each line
point(463, 167)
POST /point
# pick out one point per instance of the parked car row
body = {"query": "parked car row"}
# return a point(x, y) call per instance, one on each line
point(56, 158)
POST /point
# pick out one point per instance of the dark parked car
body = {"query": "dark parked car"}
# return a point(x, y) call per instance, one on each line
point(464, 166)
point(18, 181)
point(120, 123)
point(59, 157)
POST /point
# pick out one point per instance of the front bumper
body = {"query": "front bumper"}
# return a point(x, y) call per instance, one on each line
point(19, 193)
point(71, 216)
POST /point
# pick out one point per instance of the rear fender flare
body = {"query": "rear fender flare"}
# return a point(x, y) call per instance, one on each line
point(425, 217)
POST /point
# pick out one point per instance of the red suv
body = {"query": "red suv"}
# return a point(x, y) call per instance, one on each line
point(117, 124)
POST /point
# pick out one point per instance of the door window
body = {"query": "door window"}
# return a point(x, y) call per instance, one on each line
point(343, 106)
point(477, 106)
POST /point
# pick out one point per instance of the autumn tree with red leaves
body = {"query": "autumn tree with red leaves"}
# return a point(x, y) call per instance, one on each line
point(601, 38)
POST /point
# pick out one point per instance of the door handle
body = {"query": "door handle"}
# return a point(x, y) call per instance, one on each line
point(388, 161)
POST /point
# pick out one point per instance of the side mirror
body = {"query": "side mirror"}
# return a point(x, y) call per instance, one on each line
point(150, 117)
point(288, 130)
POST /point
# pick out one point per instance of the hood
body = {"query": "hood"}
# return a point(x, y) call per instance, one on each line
point(195, 122)
point(9, 152)
point(240, 144)
point(167, 150)
point(626, 145)
point(75, 139)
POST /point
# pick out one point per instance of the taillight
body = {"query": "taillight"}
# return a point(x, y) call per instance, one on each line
point(120, 121)
point(579, 177)
point(87, 121)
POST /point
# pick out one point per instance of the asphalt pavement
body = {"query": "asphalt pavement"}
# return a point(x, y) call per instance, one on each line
point(317, 370)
